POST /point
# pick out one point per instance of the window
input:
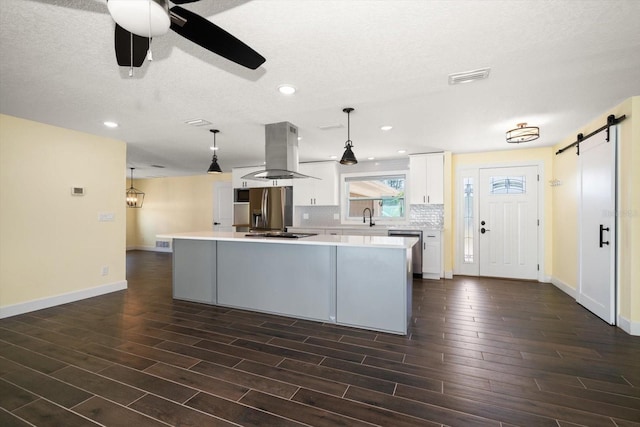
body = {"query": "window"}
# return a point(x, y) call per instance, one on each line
point(508, 185)
point(467, 217)
point(383, 194)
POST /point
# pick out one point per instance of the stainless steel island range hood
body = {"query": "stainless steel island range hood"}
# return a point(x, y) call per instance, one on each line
point(281, 153)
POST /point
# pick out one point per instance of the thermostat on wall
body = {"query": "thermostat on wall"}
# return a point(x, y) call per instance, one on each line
point(77, 191)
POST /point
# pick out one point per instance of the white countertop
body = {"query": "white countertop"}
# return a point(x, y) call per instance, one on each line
point(365, 227)
point(327, 240)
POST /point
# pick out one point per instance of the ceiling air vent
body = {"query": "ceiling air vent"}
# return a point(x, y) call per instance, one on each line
point(469, 76)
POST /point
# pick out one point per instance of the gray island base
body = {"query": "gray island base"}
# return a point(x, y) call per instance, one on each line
point(360, 281)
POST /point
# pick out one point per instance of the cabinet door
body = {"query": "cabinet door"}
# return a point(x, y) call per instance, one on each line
point(418, 179)
point(238, 173)
point(431, 253)
point(322, 191)
point(303, 190)
point(435, 179)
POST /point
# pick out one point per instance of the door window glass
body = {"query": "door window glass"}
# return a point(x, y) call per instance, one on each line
point(468, 220)
point(507, 185)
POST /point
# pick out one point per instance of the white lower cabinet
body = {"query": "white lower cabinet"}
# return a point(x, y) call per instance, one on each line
point(431, 254)
point(370, 231)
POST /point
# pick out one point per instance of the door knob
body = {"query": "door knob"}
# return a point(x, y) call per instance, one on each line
point(484, 230)
point(482, 223)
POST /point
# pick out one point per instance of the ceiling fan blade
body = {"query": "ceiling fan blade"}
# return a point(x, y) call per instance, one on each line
point(124, 42)
point(211, 37)
point(183, 1)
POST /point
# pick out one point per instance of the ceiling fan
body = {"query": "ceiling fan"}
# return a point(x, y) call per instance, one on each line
point(137, 21)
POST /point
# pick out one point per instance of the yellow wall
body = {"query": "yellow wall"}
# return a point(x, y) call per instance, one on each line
point(52, 242)
point(494, 158)
point(172, 205)
point(565, 238)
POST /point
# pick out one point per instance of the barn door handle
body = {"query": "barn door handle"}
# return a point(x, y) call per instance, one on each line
point(602, 229)
point(217, 223)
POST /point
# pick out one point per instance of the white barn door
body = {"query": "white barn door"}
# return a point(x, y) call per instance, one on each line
point(597, 289)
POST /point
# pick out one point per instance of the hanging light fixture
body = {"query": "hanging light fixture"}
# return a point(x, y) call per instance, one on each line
point(348, 158)
point(135, 197)
point(215, 167)
point(523, 133)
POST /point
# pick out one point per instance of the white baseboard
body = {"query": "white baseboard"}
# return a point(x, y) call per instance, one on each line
point(41, 303)
point(573, 293)
point(448, 274)
point(632, 328)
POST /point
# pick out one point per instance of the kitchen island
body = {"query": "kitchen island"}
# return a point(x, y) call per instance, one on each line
point(361, 281)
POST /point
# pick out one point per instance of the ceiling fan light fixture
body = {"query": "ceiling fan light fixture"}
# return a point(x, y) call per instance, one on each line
point(522, 133)
point(348, 158)
point(145, 18)
point(214, 168)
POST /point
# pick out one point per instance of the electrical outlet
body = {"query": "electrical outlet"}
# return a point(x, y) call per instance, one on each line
point(336, 216)
point(105, 270)
point(305, 215)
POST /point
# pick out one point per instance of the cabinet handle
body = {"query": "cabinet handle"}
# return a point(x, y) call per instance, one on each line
point(424, 199)
point(428, 199)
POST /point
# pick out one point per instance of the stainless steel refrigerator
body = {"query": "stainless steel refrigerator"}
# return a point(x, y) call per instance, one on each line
point(271, 208)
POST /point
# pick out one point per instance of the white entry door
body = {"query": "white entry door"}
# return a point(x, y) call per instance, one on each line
point(597, 225)
point(222, 206)
point(508, 218)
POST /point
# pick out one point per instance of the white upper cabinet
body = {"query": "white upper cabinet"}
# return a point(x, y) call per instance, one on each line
point(238, 173)
point(426, 174)
point(323, 191)
point(238, 182)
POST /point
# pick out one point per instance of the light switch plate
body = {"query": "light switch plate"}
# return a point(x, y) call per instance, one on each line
point(305, 215)
point(336, 216)
point(106, 216)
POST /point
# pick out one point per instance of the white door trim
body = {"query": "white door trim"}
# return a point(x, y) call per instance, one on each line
point(473, 269)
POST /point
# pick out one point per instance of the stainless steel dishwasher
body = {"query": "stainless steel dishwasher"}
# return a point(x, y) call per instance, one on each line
point(416, 253)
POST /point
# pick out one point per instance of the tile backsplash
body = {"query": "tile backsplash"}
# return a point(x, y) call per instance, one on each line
point(431, 216)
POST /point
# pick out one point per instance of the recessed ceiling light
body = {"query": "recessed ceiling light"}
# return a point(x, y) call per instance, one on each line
point(371, 158)
point(333, 157)
point(299, 138)
point(286, 89)
point(386, 127)
point(110, 124)
point(212, 148)
point(402, 151)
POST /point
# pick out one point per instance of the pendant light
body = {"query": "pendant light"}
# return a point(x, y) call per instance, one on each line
point(523, 133)
point(215, 167)
point(135, 197)
point(348, 158)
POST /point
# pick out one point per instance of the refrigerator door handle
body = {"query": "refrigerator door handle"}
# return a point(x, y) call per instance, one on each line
point(265, 204)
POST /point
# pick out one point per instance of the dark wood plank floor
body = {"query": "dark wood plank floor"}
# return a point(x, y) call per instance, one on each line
point(481, 352)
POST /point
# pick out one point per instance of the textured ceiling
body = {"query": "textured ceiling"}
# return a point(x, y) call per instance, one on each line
point(554, 64)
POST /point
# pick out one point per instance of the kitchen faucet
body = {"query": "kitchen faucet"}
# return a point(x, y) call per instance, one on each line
point(371, 223)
